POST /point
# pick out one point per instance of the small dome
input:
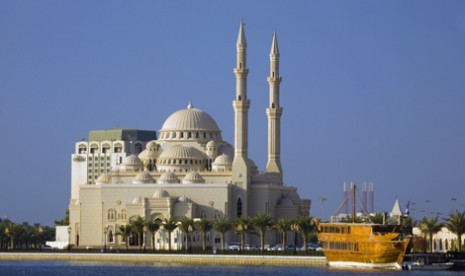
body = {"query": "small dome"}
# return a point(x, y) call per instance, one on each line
point(190, 119)
point(160, 194)
point(181, 152)
point(223, 160)
point(104, 179)
point(151, 145)
point(168, 178)
point(183, 199)
point(211, 144)
point(137, 200)
point(143, 177)
point(193, 177)
point(132, 163)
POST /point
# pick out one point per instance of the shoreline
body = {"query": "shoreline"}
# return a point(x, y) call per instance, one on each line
point(248, 260)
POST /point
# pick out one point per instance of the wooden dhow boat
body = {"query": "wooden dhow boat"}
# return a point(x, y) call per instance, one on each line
point(363, 245)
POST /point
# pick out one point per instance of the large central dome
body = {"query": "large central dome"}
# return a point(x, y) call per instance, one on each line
point(190, 119)
point(190, 123)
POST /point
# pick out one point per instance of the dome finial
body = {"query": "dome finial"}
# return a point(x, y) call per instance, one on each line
point(190, 106)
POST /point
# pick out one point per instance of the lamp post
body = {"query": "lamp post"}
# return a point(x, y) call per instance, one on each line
point(322, 200)
point(105, 231)
point(69, 238)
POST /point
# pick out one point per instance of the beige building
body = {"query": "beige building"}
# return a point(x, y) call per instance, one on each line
point(188, 170)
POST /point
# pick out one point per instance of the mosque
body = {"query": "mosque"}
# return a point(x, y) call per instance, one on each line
point(187, 170)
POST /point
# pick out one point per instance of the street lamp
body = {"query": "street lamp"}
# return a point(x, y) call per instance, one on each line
point(322, 200)
point(105, 231)
point(69, 238)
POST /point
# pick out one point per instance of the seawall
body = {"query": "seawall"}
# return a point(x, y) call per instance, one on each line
point(171, 258)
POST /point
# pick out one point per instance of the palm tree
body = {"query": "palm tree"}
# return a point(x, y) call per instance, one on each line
point(283, 225)
point(138, 226)
point(456, 224)
point(430, 227)
point(378, 218)
point(203, 226)
point(14, 231)
point(222, 225)
point(169, 224)
point(125, 231)
point(304, 225)
point(262, 222)
point(241, 226)
point(186, 225)
point(152, 227)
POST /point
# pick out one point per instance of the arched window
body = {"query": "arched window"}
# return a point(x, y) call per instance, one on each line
point(111, 215)
point(239, 207)
point(272, 105)
point(110, 236)
point(123, 214)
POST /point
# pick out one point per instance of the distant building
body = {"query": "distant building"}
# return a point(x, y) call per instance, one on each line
point(188, 171)
point(443, 240)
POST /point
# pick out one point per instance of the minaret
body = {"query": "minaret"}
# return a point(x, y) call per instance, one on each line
point(274, 112)
point(241, 106)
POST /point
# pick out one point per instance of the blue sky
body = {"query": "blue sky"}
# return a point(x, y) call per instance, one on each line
point(372, 91)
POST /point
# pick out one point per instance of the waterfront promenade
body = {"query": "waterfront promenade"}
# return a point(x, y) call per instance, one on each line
point(249, 260)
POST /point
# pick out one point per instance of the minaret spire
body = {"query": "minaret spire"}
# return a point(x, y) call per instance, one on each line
point(274, 112)
point(241, 106)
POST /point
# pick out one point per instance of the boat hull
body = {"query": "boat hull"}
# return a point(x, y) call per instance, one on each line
point(363, 246)
point(393, 265)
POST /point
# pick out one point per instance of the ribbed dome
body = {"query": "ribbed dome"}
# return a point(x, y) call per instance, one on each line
point(211, 144)
point(143, 177)
point(151, 144)
point(190, 119)
point(193, 177)
point(181, 152)
point(223, 160)
point(132, 163)
point(104, 179)
point(167, 178)
point(160, 194)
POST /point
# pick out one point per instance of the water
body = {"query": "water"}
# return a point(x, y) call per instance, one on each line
point(115, 269)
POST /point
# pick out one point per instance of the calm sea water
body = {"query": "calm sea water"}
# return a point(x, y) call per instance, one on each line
point(115, 269)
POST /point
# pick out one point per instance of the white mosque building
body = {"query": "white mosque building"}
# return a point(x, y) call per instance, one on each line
point(187, 171)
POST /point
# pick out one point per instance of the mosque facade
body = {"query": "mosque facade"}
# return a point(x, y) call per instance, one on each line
point(187, 170)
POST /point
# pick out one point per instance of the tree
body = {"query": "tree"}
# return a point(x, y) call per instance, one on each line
point(262, 222)
point(456, 224)
point(138, 227)
point(152, 227)
point(222, 225)
point(282, 225)
point(430, 227)
point(186, 225)
point(14, 232)
point(204, 226)
point(125, 231)
point(241, 226)
point(169, 224)
point(64, 221)
point(378, 218)
point(304, 225)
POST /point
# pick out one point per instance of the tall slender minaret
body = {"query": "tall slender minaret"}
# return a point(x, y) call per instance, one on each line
point(241, 108)
point(274, 112)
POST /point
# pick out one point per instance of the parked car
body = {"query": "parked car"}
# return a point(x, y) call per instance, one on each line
point(252, 247)
point(233, 246)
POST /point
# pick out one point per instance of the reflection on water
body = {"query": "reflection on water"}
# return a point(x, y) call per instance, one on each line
point(149, 268)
